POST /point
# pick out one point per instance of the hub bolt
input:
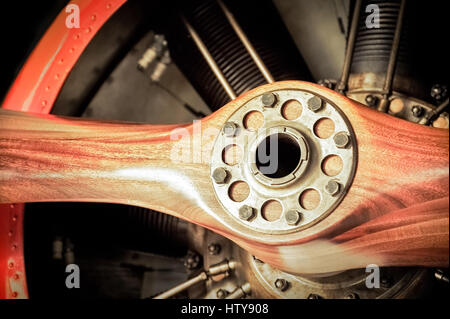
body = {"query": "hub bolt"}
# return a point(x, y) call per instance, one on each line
point(220, 175)
point(268, 99)
point(246, 212)
point(292, 217)
point(332, 188)
point(315, 104)
point(230, 129)
point(341, 139)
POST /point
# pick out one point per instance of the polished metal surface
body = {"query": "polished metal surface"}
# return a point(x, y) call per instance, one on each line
point(350, 284)
point(306, 175)
point(210, 60)
point(402, 106)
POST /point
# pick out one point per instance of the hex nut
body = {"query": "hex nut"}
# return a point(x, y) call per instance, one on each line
point(268, 99)
point(246, 212)
point(221, 293)
point(332, 188)
point(230, 129)
point(371, 100)
point(220, 175)
point(315, 103)
point(341, 139)
point(292, 217)
point(417, 110)
point(281, 284)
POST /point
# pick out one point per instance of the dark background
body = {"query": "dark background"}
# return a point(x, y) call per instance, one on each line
point(22, 25)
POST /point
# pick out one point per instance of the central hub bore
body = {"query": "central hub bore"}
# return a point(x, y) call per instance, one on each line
point(278, 155)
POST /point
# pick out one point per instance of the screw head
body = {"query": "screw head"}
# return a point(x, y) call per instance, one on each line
point(341, 139)
point(220, 175)
point(332, 188)
point(314, 296)
point(315, 103)
point(417, 110)
point(292, 217)
point(230, 129)
point(268, 99)
point(246, 212)
point(221, 293)
point(214, 249)
point(371, 100)
point(281, 284)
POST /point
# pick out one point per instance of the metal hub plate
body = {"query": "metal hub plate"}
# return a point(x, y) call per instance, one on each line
point(350, 284)
point(307, 175)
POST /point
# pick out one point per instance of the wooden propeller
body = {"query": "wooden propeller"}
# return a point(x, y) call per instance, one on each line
point(396, 212)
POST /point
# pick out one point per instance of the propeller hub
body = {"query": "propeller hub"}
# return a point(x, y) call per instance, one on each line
point(282, 159)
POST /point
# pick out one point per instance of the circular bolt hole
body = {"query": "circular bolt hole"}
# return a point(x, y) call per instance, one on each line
point(271, 210)
point(309, 199)
point(324, 128)
point(291, 110)
point(277, 155)
point(332, 165)
point(253, 120)
point(238, 191)
point(232, 154)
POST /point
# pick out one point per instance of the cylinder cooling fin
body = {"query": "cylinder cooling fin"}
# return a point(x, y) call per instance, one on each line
point(264, 29)
point(408, 95)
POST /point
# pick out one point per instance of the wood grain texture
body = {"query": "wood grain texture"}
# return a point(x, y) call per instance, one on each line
point(395, 213)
